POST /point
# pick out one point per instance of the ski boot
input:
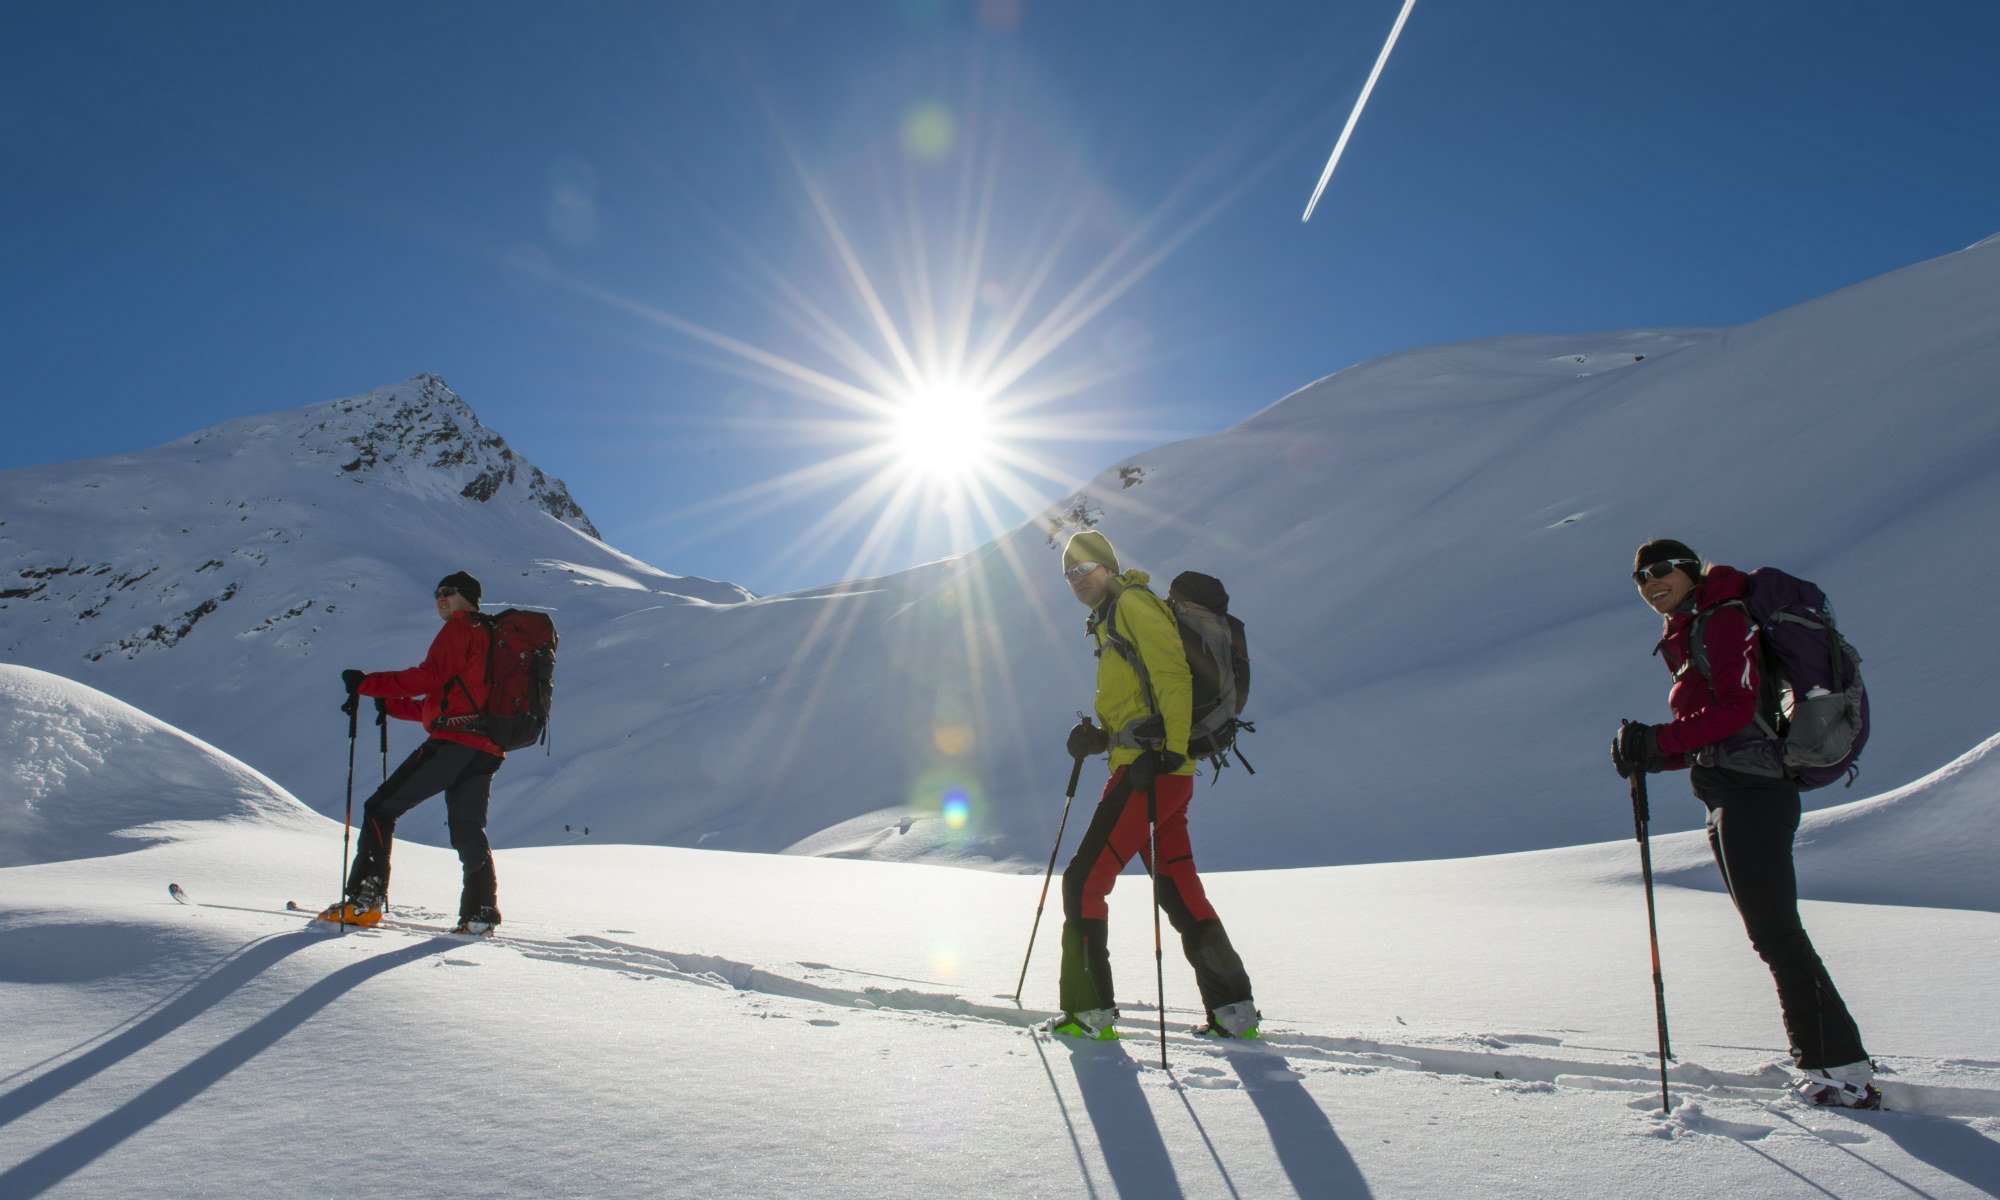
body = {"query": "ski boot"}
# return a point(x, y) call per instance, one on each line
point(363, 909)
point(1846, 1086)
point(1090, 1025)
point(1238, 1020)
point(478, 924)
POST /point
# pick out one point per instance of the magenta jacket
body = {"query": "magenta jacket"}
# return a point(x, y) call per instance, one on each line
point(1706, 713)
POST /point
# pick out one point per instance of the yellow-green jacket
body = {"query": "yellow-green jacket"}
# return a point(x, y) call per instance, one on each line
point(1144, 622)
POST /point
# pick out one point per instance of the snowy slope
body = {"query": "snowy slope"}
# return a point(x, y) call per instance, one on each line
point(90, 775)
point(1430, 551)
point(684, 1023)
point(1439, 541)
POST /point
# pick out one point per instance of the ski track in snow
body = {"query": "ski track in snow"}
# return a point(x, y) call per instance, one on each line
point(1486, 1057)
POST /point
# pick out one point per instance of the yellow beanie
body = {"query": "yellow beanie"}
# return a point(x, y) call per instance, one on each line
point(1090, 546)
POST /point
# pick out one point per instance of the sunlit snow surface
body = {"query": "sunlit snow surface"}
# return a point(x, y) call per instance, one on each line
point(1430, 550)
point(672, 1022)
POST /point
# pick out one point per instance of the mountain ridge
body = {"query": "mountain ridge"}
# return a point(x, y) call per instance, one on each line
point(1429, 550)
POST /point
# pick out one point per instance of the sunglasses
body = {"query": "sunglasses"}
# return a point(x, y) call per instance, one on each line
point(443, 592)
point(1659, 570)
point(1080, 570)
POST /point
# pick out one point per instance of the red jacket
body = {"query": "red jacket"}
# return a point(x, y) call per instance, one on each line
point(457, 653)
point(1707, 712)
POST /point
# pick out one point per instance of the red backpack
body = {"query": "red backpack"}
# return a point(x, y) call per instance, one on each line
point(520, 679)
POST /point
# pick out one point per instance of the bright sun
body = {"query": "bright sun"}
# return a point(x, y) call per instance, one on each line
point(942, 431)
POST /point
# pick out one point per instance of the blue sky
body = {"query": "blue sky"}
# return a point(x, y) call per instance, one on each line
point(608, 226)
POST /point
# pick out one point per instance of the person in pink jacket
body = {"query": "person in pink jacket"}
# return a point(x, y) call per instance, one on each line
point(1753, 806)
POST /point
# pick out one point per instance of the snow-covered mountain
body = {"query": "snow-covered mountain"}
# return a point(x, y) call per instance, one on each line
point(1430, 551)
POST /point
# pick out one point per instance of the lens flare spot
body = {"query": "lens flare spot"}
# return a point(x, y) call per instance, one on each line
point(929, 132)
point(952, 739)
point(951, 796)
point(1003, 16)
point(572, 210)
point(944, 962)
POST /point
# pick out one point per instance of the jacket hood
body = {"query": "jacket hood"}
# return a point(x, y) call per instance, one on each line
point(1132, 578)
point(1720, 584)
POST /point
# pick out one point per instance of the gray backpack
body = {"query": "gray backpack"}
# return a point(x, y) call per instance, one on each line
point(1218, 657)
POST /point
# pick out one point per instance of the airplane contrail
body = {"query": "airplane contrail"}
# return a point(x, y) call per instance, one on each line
point(1359, 102)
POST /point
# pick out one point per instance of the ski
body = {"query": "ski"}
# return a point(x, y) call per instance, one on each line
point(389, 921)
point(293, 908)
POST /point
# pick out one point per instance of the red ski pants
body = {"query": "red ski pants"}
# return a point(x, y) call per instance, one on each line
point(1117, 835)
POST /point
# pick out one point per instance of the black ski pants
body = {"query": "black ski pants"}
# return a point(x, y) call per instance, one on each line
point(465, 776)
point(1751, 824)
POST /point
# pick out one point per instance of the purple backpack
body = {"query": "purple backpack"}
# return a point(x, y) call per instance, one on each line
point(1812, 702)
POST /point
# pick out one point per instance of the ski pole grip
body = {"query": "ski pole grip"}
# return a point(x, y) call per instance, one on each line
point(1076, 764)
point(1640, 813)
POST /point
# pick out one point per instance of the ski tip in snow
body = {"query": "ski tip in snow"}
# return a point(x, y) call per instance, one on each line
point(174, 890)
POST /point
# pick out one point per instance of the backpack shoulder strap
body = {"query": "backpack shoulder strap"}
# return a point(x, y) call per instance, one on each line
point(1768, 720)
point(1142, 730)
point(1697, 645)
point(1125, 649)
point(486, 625)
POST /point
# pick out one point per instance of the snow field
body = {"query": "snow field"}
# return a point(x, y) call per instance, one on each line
point(659, 1021)
point(1431, 547)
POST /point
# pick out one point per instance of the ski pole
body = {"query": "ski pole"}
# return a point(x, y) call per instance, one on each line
point(1075, 769)
point(1153, 873)
point(347, 819)
point(1640, 818)
point(382, 723)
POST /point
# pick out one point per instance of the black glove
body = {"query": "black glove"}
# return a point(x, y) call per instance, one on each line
point(1086, 739)
point(1150, 766)
point(352, 680)
point(1636, 748)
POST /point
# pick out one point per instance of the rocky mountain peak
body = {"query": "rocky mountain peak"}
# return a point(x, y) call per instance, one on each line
point(419, 432)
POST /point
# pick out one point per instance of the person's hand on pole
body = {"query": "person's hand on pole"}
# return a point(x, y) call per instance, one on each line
point(1150, 766)
point(1635, 749)
point(1086, 739)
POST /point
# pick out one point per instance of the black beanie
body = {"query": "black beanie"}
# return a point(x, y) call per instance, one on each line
point(1661, 550)
point(467, 586)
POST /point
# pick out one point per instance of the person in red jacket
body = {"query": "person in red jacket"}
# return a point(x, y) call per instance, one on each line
point(445, 693)
point(1753, 806)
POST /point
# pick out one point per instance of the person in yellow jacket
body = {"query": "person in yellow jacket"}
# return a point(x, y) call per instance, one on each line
point(1145, 699)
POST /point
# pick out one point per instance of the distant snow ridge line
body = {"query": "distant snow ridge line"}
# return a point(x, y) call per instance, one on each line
point(1929, 843)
